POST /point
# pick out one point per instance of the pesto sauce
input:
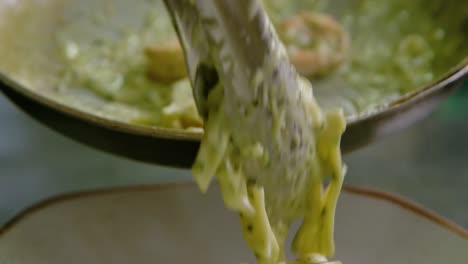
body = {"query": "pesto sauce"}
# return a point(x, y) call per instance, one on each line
point(113, 67)
point(396, 48)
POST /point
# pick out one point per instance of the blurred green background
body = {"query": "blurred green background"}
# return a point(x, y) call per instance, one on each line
point(427, 163)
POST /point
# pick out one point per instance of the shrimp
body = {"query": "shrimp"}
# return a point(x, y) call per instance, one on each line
point(166, 62)
point(316, 43)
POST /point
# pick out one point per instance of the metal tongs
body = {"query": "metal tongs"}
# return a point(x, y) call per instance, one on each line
point(201, 24)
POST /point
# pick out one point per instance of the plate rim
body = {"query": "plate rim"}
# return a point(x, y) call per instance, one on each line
point(373, 193)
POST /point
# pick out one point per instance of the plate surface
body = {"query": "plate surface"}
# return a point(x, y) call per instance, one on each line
point(176, 224)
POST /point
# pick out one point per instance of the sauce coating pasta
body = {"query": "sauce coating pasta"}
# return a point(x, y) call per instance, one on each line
point(267, 141)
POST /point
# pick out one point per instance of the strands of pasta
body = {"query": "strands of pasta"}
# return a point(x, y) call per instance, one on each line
point(266, 139)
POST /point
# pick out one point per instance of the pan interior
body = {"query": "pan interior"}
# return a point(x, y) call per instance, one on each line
point(90, 54)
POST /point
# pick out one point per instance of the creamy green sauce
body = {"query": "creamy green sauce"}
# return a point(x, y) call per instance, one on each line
point(113, 66)
point(402, 56)
point(401, 52)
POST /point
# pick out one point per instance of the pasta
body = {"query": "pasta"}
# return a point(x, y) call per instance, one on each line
point(271, 148)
